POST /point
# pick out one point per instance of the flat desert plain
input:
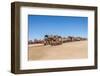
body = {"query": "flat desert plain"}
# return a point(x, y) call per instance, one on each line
point(70, 50)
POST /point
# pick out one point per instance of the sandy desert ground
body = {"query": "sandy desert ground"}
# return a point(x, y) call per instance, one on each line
point(70, 50)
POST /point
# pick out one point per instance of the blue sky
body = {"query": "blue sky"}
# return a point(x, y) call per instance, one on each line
point(40, 25)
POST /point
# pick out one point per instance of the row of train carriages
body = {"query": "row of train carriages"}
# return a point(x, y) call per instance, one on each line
point(56, 40)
